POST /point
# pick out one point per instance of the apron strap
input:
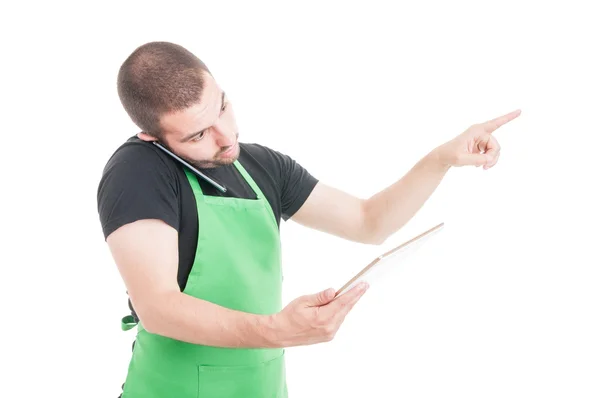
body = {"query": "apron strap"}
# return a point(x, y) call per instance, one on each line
point(128, 322)
point(249, 180)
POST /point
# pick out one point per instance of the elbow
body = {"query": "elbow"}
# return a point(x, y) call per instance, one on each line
point(370, 236)
point(148, 318)
point(150, 313)
point(149, 324)
point(370, 232)
point(373, 239)
point(379, 240)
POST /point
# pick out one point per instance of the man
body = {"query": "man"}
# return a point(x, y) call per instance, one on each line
point(202, 266)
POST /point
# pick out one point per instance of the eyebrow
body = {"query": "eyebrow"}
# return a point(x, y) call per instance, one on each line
point(190, 136)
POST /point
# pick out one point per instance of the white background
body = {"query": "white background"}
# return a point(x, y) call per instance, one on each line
point(505, 302)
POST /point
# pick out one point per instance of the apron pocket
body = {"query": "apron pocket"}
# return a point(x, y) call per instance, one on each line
point(264, 380)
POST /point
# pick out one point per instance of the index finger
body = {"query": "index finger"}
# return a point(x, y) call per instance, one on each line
point(494, 124)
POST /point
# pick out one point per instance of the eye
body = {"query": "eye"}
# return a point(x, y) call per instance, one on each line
point(199, 136)
point(224, 107)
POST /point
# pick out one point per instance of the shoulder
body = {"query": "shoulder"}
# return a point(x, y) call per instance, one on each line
point(138, 163)
point(138, 155)
point(138, 182)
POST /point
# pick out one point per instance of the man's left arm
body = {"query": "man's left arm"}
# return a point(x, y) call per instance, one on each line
point(374, 219)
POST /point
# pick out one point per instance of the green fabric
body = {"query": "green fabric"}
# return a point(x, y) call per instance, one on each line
point(238, 266)
point(128, 322)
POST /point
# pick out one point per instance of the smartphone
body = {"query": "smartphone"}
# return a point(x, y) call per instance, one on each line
point(192, 168)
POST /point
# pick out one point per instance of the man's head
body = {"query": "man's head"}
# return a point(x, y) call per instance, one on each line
point(173, 98)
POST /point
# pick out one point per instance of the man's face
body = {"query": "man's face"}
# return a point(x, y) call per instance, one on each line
point(206, 134)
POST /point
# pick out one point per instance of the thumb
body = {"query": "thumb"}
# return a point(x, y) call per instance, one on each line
point(321, 298)
point(475, 159)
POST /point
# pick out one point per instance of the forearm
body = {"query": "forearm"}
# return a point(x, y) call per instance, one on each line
point(185, 318)
point(387, 211)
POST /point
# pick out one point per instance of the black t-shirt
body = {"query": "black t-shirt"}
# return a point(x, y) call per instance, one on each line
point(140, 181)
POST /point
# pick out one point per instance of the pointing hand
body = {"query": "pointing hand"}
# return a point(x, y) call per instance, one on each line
point(476, 146)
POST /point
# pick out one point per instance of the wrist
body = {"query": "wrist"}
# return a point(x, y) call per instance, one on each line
point(271, 331)
point(437, 161)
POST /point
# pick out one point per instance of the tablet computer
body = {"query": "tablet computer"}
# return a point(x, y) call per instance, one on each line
point(386, 258)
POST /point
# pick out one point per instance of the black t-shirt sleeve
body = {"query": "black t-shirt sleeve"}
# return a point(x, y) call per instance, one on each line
point(137, 184)
point(296, 185)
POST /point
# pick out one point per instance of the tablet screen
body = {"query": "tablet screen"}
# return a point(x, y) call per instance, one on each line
point(378, 267)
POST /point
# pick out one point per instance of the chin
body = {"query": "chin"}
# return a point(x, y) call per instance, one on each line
point(225, 162)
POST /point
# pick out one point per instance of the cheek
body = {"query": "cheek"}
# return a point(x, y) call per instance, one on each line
point(204, 150)
point(229, 119)
point(197, 151)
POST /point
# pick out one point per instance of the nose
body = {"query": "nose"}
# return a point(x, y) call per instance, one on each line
point(224, 134)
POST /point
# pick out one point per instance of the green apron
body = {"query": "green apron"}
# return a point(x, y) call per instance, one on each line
point(238, 266)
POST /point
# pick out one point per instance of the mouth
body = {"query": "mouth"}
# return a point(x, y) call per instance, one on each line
point(230, 151)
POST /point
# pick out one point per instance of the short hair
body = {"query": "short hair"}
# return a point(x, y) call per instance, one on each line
point(157, 78)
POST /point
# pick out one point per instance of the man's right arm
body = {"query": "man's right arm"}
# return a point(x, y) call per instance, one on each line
point(146, 255)
point(145, 252)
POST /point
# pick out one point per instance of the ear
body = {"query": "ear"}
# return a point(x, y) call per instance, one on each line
point(146, 137)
